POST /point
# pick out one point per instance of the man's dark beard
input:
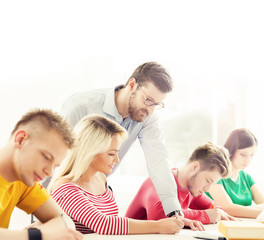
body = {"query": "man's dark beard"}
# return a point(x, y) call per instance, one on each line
point(133, 112)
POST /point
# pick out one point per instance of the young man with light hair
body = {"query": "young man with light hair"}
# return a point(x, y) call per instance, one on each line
point(38, 143)
point(207, 164)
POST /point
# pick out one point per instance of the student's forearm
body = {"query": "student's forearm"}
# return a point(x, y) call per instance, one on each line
point(198, 215)
point(259, 206)
point(57, 229)
point(162, 226)
point(53, 224)
point(141, 227)
point(242, 211)
point(13, 234)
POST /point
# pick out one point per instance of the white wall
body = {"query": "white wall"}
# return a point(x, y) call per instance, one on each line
point(51, 49)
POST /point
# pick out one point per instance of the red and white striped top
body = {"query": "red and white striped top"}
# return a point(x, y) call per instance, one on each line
point(90, 213)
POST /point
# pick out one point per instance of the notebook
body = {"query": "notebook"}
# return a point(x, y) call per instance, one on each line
point(209, 234)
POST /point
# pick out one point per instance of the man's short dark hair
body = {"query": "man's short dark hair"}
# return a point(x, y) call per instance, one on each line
point(211, 157)
point(155, 73)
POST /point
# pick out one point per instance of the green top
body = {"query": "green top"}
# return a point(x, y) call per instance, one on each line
point(239, 191)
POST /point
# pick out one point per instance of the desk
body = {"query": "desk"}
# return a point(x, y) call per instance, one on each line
point(184, 234)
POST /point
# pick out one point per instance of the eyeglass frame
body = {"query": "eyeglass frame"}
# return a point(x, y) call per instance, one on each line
point(148, 102)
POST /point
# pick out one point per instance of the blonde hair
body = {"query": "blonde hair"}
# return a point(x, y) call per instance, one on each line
point(93, 136)
point(38, 120)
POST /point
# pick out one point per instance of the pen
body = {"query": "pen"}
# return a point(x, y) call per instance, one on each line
point(212, 204)
point(64, 220)
point(176, 215)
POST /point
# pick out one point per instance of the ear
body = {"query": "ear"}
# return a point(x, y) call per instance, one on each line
point(20, 137)
point(195, 166)
point(132, 84)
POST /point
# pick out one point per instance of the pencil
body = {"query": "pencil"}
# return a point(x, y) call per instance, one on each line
point(64, 220)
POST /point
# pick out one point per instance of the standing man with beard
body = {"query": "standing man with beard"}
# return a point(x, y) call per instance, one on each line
point(132, 106)
point(207, 164)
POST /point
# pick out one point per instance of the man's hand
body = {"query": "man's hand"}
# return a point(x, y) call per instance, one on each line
point(193, 224)
point(169, 225)
point(215, 215)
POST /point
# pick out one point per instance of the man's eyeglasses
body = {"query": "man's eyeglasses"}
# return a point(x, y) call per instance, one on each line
point(149, 102)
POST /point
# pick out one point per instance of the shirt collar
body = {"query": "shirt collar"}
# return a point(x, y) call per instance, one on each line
point(110, 106)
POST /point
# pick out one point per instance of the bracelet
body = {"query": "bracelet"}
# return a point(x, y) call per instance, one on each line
point(34, 234)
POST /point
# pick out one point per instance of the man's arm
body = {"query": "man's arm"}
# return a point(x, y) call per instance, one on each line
point(67, 234)
point(156, 155)
point(146, 204)
point(13, 235)
point(50, 213)
point(54, 223)
point(198, 215)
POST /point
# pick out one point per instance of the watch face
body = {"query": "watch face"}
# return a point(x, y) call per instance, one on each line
point(171, 214)
point(176, 212)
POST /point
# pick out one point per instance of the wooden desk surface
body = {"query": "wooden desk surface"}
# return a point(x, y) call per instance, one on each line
point(185, 234)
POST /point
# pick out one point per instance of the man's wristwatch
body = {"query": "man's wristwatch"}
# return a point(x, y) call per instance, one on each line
point(178, 212)
point(34, 234)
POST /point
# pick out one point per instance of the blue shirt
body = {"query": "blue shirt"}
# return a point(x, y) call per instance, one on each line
point(148, 132)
